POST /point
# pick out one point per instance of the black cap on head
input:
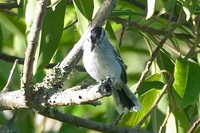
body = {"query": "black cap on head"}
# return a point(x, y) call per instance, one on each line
point(96, 34)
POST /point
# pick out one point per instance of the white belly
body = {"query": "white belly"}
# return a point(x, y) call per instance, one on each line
point(100, 66)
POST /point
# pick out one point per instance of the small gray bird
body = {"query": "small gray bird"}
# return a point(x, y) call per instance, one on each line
point(101, 60)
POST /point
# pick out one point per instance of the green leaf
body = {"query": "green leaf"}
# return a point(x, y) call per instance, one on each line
point(1, 38)
point(84, 10)
point(154, 77)
point(150, 8)
point(125, 13)
point(111, 35)
point(190, 7)
point(186, 84)
point(27, 118)
point(159, 114)
point(169, 5)
point(198, 58)
point(51, 33)
point(97, 5)
point(29, 13)
point(193, 86)
point(152, 82)
point(147, 100)
point(177, 122)
point(148, 85)
point(165, 62)
point(182, 122)
point(12, 24)
point(180, 76)
point(187, 12)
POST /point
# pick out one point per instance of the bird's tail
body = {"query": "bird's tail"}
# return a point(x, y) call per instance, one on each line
point(125, 100)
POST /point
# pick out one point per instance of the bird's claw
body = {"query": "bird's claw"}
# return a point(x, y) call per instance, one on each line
point(106, 86)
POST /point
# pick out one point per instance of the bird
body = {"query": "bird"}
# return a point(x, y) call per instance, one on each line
point(101, 60)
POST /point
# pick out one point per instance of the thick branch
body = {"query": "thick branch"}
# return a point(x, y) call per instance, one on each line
point(101, 16)
point(74, 97)
point(12, 100)
point(55, 97)
point(75, 54)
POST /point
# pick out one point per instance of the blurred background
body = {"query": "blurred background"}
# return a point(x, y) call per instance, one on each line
point(134, 28)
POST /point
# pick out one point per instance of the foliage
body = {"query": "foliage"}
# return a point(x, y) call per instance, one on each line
point(136, 29)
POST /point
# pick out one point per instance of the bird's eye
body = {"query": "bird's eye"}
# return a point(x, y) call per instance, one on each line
point(94, 38)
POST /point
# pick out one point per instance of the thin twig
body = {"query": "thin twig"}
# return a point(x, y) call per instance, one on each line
point(117, 120)
point(150, 51)
point(146, 28)
point(124, 27)
point(192, 51)
point(153, 56)
point(5, 89)
point(31, 49)
point(10, 5)
point(165, 121)
point(172, 48)
point(155, 104)
point(194, 126)
point(9, 12)
point(70, 25)
point(10, 58)
point(156, 51)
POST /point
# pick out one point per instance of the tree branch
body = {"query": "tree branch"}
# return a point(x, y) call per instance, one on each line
point(75, 54)
point(56, 97)
point(80, 122)
point(10, 5)
point(11, 59)
point(5, 89)
point(148, 29)
point(153, 56)
point(155, 52)
point(155, 104)
point(31, 49)
point(70, 25)
point(47, 92)
point(101, 16)
point(165, 121)
point(195, 125)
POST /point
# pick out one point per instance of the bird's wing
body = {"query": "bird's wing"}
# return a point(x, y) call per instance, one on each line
point(119, 59)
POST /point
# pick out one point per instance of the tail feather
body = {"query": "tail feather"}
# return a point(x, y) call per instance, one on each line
point(125, 100)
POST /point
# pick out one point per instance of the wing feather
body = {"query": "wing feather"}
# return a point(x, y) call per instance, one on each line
point(119, 59)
